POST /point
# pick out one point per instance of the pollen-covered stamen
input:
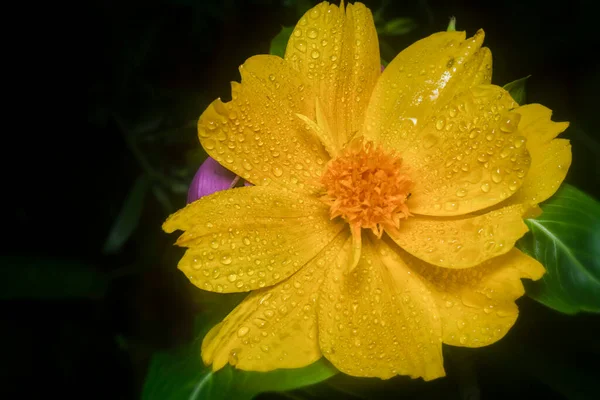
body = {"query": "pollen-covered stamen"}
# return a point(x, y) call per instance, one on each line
point(367, 186)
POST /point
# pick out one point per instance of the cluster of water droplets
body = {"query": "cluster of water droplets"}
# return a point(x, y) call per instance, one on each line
point(258, 135)
point(465, 242)
point(379, 324)
point(247, 243)
point(277, 327)
point(475, 304)
point(472, 149)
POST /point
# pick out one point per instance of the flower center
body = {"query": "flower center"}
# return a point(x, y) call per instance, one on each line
point(367, 187)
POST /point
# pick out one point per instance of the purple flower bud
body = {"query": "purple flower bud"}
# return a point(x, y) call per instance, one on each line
point(211, 177)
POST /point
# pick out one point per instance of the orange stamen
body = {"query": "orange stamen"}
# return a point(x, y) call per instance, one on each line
point(367, 187)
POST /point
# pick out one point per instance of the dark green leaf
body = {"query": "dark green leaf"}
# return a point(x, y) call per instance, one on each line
point(517, 89)
point(42, 278)
point(566, 240)
point(182, 375)
point(397, 26)
point(279, 42)
point(386, 50)
point(128, 217)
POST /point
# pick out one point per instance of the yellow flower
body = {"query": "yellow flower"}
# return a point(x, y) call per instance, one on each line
point(386, 205)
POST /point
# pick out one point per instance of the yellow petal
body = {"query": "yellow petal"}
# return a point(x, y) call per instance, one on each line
point(248, 238)
point(469, 156)
point(462, 242)
point(258, 134)
point(422, 78)
point(380, 319)
point(550, 159)
point(338, 52)
point(477, 305)
point(275, 327)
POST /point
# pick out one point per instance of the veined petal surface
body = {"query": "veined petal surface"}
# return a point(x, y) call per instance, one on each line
point(477, 305)
point(550, 158)
point(422, 79)
point(337, 51)
point(258, 134)
point(379, 320)
point(249, 238)
point(462, 242)
point(275, 327)
point(468, 157)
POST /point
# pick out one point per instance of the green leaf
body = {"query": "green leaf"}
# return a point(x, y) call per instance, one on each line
point(128, 217)
point(517, 89)
point(279, 42)
point(182, 375)
point(397, 26)
point(566, 240)
point(44, 278)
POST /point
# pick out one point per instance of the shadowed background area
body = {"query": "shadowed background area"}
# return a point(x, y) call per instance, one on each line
point(91, 289)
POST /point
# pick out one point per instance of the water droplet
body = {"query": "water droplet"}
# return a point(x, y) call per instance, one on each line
point(461, 192)
point(214, 244)
point(312, 33)
point(196, 263)
point(514, 185)
point(232, 277)
point(439, 125)
point(489, 245)
point(243, 331)
point(233, 357)
point(429, 141)
point(226, 259)
point(314, 13)
point(271, 77)
point(315, 54)
point(300, 46)
point(451, 206)
point(510, 122)
point(209, 144)
point(298, 32)
point(474, 133)
point(519, 141)
point(463, 339)
point(497, 175)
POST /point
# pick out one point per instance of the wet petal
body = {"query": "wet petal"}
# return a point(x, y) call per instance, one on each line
point(338, 52)
point(252, 237)
point(550, 159)
point(258, 134)
point(379, 320)
point(275, 327)
point(477, 305)
point(469, 156)
point(422, 78)
point(462, 242)
point(211, 177)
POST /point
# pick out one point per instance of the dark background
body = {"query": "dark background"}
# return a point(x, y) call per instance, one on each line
point(83, 322)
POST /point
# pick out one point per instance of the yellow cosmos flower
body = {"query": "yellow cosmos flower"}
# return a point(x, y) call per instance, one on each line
point(386, 204)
